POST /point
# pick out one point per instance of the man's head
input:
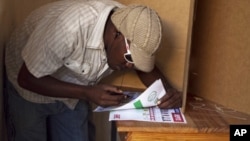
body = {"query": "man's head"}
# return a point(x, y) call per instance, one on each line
point(141, 26)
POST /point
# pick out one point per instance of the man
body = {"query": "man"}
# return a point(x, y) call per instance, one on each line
point(56, 59)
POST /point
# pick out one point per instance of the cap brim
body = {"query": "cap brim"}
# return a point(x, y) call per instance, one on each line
point(142, 60)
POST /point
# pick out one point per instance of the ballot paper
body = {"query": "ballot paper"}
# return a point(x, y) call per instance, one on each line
point(150, 114)
point(138, 100)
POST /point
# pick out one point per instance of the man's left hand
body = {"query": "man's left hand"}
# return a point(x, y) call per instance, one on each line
point(173, 99)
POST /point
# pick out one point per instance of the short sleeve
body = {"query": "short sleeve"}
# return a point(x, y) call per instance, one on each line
point(48, 46)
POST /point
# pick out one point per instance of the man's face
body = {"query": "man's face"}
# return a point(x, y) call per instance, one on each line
point(115, 46)
point(116, 51)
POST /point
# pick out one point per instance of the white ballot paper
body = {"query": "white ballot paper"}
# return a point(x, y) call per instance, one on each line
point(150, 114)
point(136, 100)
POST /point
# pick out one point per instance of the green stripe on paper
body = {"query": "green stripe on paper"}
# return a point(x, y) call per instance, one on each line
point(138, 104)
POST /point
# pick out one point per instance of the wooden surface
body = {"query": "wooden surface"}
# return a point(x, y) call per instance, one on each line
point(141, 136)
point(205, 119)
point(219, 66)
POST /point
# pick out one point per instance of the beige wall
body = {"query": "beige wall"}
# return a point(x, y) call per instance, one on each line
point(220, 60)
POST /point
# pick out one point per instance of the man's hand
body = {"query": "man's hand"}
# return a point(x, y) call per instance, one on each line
point(105, 95)
point(173, 99)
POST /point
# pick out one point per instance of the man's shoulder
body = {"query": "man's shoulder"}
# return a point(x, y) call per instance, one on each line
point(79, 7)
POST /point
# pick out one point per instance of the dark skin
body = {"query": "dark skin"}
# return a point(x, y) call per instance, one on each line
point(99, 94)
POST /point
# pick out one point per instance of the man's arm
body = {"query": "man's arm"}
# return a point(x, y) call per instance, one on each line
point(50, 86)
point(172, 99)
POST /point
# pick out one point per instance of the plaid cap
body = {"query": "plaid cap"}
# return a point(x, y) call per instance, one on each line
point(142, 27)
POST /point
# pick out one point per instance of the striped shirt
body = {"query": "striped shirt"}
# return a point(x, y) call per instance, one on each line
point(63, 39)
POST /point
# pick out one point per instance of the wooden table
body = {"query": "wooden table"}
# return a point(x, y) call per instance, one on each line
point(206, 121)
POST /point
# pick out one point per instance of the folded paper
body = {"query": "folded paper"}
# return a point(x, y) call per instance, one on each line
point(138, 100)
